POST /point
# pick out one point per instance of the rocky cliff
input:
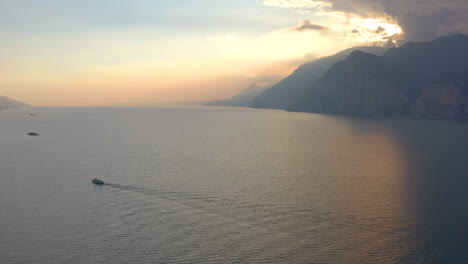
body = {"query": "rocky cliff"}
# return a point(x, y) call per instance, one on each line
point(357, 86)
point(443, 101)
point(289, 90)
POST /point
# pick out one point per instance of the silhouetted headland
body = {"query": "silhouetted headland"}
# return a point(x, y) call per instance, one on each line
point(244, 98)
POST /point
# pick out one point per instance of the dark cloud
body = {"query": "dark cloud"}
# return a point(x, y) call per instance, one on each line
point(379, 30)
point(306, 25)
point(426, 27)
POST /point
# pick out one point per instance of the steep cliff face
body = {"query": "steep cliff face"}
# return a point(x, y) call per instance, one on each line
point(360, 85)
point(289, 90)
point(443, 101)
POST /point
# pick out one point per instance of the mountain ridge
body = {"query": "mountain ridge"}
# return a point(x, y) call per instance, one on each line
point(423, 79)
point(8, 103)
point(283, 94)
point(243, 99)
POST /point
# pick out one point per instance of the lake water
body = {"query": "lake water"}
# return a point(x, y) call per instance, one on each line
point(227, 185)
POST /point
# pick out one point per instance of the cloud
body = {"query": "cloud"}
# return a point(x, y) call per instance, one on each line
point(306, 25)
point(296, 3)
point(428, 26)
point(421, 20)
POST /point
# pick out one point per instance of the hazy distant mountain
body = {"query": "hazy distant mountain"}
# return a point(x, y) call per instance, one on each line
point(286, 92)
point(244, 98)
point(7, 103)
point(424, 79)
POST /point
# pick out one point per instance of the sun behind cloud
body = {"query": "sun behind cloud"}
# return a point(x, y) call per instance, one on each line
point(168, 51)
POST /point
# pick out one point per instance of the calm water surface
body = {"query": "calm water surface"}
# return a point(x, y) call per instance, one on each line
point(226, 185)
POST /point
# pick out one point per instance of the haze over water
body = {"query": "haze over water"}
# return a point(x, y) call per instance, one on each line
point(227, 185)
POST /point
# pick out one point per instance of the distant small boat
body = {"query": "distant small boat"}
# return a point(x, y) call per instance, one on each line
point(33, 134)
point(98, 182)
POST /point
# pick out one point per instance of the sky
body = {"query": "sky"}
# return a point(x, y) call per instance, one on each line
point(146, 52)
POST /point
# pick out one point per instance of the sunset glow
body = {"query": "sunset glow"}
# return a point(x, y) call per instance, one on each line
point(369, 30)
point(134, 52)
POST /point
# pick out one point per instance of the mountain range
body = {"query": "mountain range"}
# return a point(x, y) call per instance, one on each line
point(426, 79)
point(288, 91)
point(420, 79)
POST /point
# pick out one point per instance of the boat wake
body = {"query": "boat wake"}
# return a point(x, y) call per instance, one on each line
point(227, 230)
